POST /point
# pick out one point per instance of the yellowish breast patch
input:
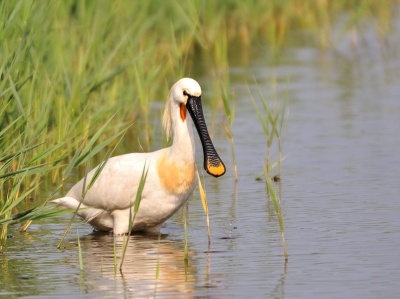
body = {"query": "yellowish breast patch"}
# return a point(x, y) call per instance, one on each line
point(175, 177)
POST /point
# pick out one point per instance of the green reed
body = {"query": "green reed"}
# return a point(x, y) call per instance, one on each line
point(277, 206)
point(272, 119)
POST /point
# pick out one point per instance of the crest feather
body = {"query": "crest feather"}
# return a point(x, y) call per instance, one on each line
point(167, 118)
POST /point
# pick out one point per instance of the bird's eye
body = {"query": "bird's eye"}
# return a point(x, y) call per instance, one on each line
point(185, 93)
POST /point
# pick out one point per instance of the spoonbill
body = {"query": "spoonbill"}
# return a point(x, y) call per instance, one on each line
point(170, 181)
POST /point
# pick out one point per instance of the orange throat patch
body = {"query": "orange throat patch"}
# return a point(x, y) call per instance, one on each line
point(183, 111)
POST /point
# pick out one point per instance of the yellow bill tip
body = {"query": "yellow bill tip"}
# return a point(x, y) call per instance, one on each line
point(214, 169)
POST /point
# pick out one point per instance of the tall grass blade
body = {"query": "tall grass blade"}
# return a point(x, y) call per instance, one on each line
point(277, 207)
point(225, 101)
point(106, 142)
point(29, 171)
point(85, 155)
point(12, 16)
point(136, 209)
point(36, 213)
point(263, 123)
point(12, 202)
point(111, 76)
point(203, 197)
point(19, 152)
point(46, 152)
point(2, 132)
point(140, 188)
point(16, 97)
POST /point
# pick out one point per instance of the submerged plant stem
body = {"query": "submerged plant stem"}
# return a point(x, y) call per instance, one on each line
point(272, 194)
point(186, 250)
point(80, 253)
point(135, 210)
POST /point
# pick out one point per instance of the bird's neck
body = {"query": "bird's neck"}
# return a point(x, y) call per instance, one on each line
point(183, 146)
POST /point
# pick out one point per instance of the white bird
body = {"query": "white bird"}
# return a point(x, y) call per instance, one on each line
point(171, 172)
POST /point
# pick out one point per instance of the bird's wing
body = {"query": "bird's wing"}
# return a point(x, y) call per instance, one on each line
point(117, 184)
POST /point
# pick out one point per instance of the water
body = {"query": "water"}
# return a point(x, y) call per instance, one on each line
point(340, 189)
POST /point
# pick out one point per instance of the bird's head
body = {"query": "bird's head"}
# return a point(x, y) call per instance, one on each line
point(185, 95)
